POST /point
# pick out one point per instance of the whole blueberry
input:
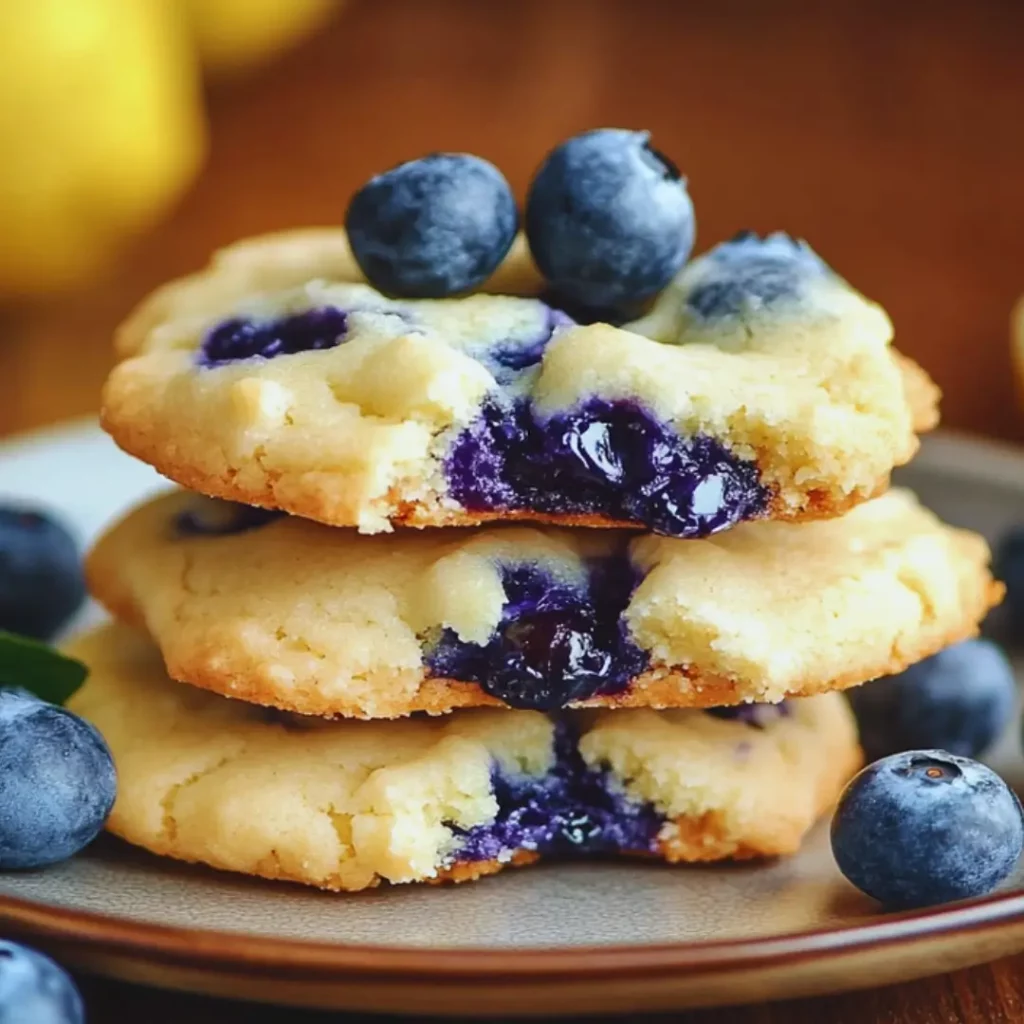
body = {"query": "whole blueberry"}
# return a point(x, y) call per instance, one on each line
point(608, 219)
point(41, 580)
point(927, 827)
point(57, 782)
point(749, 275)
point(432, 227)
point(959, 700)
point(34, 990)
point(1008, 565)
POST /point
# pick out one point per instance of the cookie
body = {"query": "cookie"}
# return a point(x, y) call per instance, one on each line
point(281, 611)
point(759, 385)
point(345, 805)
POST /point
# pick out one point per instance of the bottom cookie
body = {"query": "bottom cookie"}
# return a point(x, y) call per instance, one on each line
point(346, 804)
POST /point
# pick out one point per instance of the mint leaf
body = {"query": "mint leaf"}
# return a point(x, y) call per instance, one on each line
point(39, 668)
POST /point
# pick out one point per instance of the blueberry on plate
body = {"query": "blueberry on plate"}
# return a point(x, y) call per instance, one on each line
point(41, 580)
point(34, 990)
point(608, 219)
point(57, 782)
point(432, 227)
point(958, 700)
point(927, 827)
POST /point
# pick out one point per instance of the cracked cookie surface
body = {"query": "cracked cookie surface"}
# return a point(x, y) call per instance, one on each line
point(759, 385)
point(284, 612)
point(346, 805)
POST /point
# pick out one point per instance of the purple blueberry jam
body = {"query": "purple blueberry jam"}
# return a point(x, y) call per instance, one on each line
point(572, 809)
point(554, 644)
point(245, 338)
point(612, 459)
point(759, 716)
point(218, 518)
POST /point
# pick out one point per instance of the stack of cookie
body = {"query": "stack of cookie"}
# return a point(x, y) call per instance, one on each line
point(665, 550)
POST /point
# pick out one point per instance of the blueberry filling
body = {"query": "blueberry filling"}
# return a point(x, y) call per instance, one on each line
point(218, 518)
point(572, 809)
point(554, 644)
point(611, 459)
point(748, 272)
point(246, 338)
point(515, 357)
point(759, 716)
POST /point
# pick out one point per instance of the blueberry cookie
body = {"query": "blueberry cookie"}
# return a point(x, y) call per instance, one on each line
point(344, 805)
point(284, 612)
point(759, 385)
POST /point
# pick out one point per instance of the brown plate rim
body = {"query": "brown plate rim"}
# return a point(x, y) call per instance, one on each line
point(296, 957)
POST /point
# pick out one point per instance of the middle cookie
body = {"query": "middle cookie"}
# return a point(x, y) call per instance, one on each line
point(284, 612)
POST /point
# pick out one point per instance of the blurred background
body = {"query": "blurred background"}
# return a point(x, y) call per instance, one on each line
point(137, 135)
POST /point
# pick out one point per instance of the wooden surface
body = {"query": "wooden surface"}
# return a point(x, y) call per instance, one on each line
point(887, 134)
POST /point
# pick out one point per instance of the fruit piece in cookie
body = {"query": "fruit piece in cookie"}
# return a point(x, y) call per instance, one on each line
point(345, 805)
point(759, 385)
point(323, 621)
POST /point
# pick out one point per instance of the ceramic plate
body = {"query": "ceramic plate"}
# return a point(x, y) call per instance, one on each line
point(549, 939)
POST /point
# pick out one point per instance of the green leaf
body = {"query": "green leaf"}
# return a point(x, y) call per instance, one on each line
point(39, 668)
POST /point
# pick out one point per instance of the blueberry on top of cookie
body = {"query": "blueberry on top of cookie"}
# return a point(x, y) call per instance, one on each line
point(608, 219)
point(432, 227)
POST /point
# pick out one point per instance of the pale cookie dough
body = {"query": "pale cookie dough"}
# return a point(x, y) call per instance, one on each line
point(759, 385)
point(284, 612)
point(345, 805)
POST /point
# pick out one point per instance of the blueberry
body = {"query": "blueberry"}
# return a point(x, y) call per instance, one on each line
point(1008, 565)
point(212, 518)
point(41, 580)
point(432, 227)
point(246, 338)
point(613, 459)
point(555, 643)
point(34, 990)
point(57, 782)
point(959, 700)
point(608, 219)
point(927, 827)
point(749, 274)
point(547, 659)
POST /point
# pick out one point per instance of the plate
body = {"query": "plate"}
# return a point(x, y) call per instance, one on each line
point(551, 939)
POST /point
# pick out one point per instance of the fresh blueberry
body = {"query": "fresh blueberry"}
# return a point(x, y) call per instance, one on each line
point(57, 782)
point(245, 338)
point(927, 827)
point(41, 581)
point(608, 219)
point(1008, 565)
point(432, 227)
point(959, 700)
point(34, 990)
point(749, 274)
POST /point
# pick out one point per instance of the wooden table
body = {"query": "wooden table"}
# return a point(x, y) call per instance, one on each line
point(889, 135)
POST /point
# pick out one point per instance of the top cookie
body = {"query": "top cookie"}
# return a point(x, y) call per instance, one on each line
point(759, 385)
